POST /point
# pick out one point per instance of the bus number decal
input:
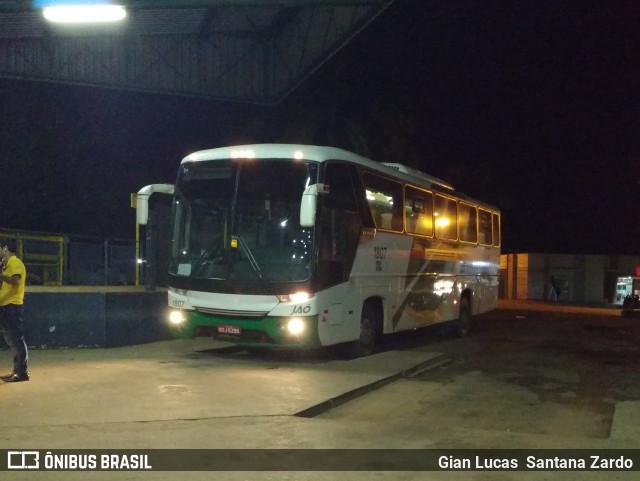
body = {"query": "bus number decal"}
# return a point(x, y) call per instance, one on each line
point(379, 252)
point(301, 310)
point(178, 303)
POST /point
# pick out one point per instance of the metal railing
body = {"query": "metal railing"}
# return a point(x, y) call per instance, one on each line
point(60, 260)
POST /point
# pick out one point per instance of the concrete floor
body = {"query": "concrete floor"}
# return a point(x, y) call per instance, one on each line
point(494, 393)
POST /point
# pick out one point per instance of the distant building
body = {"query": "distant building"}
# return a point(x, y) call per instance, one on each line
point(569, 278)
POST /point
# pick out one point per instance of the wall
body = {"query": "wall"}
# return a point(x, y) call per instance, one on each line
point(93, 317)
point(584, 279)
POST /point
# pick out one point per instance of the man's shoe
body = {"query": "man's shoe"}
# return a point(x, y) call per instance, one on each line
point(16, 378)
point(8, 376)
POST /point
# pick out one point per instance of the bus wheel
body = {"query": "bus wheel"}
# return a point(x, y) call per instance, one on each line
point(464, 319)
point(369, 333)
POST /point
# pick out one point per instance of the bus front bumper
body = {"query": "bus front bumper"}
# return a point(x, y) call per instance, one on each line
point(270, 331)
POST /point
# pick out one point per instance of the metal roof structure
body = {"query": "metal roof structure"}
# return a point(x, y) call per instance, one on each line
point(254, 51)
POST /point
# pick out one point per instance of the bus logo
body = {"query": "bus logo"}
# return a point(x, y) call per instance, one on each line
point(23, 460)
point(301, 310)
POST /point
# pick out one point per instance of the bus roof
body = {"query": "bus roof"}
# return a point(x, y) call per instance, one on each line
point(317, 153)
point(277, 151)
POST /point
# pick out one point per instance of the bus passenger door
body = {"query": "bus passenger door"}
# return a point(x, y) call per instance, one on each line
point(340, 226)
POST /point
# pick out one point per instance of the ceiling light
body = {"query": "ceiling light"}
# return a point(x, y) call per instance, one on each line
point(84, 13)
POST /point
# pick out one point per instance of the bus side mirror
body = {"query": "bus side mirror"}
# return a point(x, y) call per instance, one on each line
point(142, 200)
point(142, 209)
point(309, 203)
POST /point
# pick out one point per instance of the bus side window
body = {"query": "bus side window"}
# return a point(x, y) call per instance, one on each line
point(446, 218)
point(468, 222)
point(496, 230)
point(418, 209)
point(485, 229)
point(384, 197)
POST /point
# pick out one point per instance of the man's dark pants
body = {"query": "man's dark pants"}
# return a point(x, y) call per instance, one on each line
point(11, 324)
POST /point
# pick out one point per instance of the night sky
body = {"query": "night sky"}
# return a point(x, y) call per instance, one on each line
point(531, 106)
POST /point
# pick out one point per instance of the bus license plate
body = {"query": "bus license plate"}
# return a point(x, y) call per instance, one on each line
point(229, 330)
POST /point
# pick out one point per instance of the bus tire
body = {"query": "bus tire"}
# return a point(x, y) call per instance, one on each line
point(370, 323)
point(464, 317)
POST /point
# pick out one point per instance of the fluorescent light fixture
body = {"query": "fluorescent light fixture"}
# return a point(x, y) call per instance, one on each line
point(84, 13)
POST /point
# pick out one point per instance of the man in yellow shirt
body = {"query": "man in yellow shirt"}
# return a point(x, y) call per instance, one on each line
point(12, 279)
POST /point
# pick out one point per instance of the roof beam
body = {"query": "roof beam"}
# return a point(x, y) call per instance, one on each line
point(245, 3)
point(27, 5)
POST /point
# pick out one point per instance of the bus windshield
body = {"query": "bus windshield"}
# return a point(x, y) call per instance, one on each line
point(238, 219)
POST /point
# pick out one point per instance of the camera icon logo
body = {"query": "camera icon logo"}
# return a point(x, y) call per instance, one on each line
point(23, 460)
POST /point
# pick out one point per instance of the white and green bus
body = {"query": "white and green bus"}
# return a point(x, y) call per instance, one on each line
point(278, 245)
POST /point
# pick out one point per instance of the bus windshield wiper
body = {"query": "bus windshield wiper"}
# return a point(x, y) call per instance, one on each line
point(247, 252)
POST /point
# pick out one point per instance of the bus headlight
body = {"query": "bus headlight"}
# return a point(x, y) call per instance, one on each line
point(295, 326)
point(294, 297)
point(176, 318)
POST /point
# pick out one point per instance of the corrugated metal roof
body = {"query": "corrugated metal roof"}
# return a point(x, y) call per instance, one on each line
point(150, 21)
point(248, 51)
point(27, 24)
